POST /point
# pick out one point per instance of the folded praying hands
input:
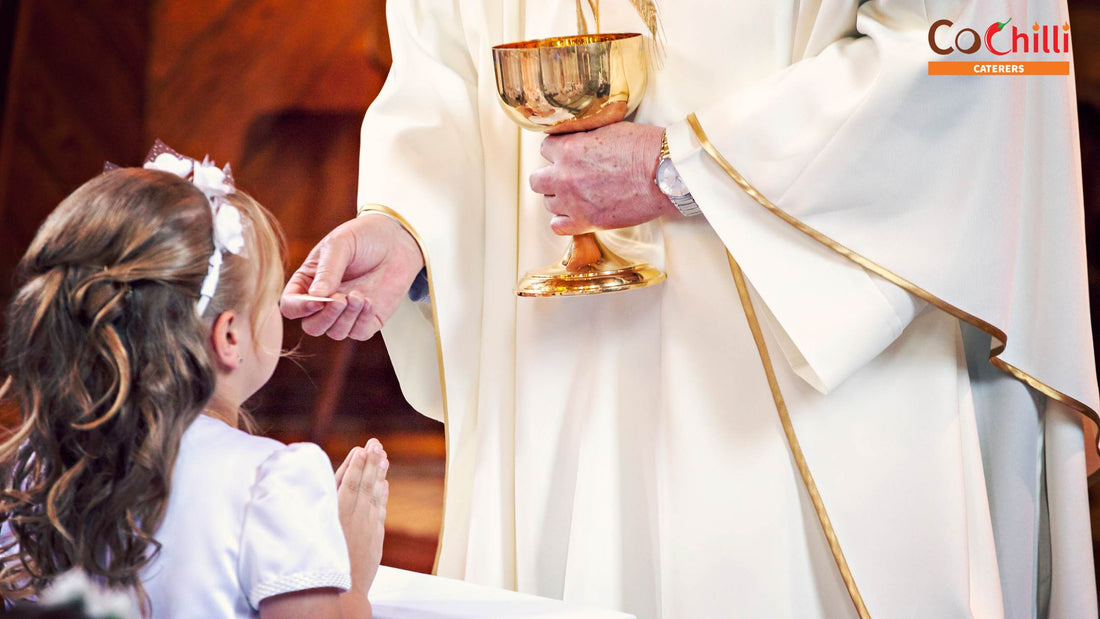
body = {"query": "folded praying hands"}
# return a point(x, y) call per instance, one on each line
point(362, 493)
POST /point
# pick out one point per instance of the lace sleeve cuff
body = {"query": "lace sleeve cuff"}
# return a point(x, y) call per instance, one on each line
point(300, 581)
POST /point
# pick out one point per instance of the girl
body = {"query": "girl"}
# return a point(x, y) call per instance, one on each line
point(147, 314)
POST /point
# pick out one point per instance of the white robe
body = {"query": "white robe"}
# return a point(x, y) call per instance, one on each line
point(624, 450)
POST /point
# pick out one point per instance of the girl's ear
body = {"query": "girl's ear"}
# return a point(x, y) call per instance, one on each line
point(226, 342)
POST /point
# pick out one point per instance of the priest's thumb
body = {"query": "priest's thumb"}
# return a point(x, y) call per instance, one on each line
point(332, 261)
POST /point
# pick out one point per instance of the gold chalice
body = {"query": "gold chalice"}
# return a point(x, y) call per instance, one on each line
point(568, 84)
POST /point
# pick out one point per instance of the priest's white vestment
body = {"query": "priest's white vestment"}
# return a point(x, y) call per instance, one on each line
point(625, 450)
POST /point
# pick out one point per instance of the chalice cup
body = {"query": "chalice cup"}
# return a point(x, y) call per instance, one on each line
point(563, 85)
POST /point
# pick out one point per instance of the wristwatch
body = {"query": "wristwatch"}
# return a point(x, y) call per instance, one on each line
point(669, 182)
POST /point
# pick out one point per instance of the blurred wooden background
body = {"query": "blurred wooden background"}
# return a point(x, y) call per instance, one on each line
point(278, 88)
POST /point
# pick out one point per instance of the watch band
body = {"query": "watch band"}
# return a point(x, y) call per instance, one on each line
point(684, 203)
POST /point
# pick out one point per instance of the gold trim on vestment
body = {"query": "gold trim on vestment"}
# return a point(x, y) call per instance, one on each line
point(998, 335)
point(380, 208)
point(515, 356)
point(792, 441)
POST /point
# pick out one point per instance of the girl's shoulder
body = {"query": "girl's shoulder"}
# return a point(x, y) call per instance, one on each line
point(248, 515)
point(216, 434)
point(287, 527)
point(217, 448)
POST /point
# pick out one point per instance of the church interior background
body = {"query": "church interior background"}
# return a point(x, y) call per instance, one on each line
point(278, 88)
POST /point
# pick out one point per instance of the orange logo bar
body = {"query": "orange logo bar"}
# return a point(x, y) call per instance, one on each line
point(999, 68)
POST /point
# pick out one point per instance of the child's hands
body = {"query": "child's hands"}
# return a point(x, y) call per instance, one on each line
point(362, 492)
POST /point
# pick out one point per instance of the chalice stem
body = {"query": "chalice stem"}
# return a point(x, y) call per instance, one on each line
point(583, 252)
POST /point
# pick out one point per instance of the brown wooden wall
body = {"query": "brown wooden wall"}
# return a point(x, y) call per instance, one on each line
point(75, 96)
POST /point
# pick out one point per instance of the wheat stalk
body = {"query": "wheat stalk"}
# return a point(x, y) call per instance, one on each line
point(595, 6)
point(647, 10)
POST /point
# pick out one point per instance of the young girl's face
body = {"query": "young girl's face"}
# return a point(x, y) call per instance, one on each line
point(262, 356)
point(254, 284)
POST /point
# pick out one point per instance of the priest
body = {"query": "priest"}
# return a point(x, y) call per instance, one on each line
point(861, 390)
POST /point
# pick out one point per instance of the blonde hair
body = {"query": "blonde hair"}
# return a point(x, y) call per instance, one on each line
point(108, 363)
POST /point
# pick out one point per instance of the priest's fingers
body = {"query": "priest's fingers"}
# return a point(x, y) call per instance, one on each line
point(555, 205)
point(346, 320)
point(319, 323)
point(567, 226)
point(544, 180)
point(365, 326)
point(292, 305)
point(333, 254)
point(552, 146)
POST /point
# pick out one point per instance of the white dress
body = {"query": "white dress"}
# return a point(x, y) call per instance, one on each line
point(248, 518)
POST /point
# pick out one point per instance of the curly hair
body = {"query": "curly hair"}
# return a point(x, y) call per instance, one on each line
point(109, 363)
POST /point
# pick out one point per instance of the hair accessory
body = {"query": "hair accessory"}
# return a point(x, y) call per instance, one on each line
point(215, 184)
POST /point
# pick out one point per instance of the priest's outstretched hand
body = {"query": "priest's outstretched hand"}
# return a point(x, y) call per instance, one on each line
point(602, 179)
point(365, 266)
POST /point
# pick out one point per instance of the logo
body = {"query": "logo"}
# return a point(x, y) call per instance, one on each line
point(1038, 50)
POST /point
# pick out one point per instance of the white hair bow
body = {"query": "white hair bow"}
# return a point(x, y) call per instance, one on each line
point(215, 184)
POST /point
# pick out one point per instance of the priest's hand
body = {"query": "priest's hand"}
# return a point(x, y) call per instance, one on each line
point(602, 179)
point(365, 266)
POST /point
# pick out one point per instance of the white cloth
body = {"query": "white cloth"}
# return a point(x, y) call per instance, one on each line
point(400, 594)
point(248, 518)
point(624, 450)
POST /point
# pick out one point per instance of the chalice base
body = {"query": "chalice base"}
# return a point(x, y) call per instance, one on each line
point(609, 273)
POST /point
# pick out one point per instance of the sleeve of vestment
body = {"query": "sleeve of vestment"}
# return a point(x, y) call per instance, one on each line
point(876, 187)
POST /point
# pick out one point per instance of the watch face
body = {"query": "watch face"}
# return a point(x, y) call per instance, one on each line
point(668, 179)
